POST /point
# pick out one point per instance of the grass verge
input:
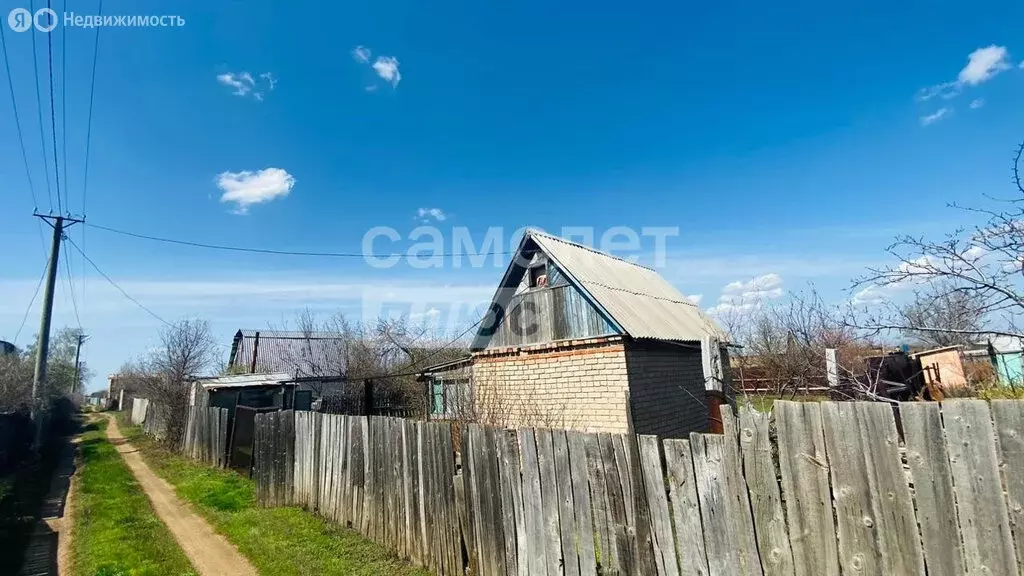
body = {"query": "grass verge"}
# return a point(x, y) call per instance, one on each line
point(278, 541)
point(116, 532)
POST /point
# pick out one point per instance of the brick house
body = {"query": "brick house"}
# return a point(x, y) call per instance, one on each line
point(576, 338)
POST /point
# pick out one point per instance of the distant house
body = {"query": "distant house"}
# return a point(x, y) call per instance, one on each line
point(942, 366)
point(300, 354)
point(1007, 356)
point(571, 333)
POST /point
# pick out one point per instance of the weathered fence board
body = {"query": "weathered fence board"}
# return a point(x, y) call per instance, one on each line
point(803, 466)
point(765, 497)
point(1009, 420)
point(685, 508)
point(981, 507)
point(558, 503)
point(933, 487)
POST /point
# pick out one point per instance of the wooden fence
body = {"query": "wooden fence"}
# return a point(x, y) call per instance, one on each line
point(206, 435)
point(815, 489)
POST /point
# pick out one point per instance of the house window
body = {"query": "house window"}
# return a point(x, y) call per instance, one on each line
point(538, 276)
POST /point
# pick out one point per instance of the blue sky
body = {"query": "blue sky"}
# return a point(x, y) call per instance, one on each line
point(786, 142)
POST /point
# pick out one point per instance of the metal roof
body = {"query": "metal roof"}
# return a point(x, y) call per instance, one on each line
point(297, 353)
point(637, 298)
point(244, 380)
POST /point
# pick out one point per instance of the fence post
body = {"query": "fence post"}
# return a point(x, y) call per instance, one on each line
point(367, 397)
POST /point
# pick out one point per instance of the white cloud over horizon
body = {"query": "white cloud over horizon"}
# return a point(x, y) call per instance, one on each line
point(246, 188)
point(743, 295)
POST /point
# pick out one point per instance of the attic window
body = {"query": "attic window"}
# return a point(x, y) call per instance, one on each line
point(538, 276)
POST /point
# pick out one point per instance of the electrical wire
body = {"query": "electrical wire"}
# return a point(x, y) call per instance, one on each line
point(88, 125)
point(17, 121)
point(64, 102)
point(39, 114)
point(69, 280)
point(53, 115)
point(31, 302)
point(115, 285)
point(269, 251)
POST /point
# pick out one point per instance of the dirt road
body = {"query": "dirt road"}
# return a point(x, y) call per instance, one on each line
point(210, 553)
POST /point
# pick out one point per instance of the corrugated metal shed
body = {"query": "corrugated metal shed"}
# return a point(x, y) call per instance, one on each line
point(297, 353)
point(637, 298)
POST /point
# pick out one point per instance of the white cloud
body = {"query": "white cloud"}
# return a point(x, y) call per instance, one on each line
point(361, 54)
point(935, 117)
point(747, 295)
point(243, 84)
point(983, 64)
point(427, 214)
point(246, 188)
point(695, 298)
point(387, 68)
point(977, 103)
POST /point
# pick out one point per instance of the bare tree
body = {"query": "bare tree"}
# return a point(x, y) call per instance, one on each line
point(940, 304)
point(187, 350)
point(981, 265)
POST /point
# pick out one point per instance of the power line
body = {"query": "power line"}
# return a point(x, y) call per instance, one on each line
point(53, 113)
point(88, 126)
point(69, 280)
point(31, 302)
point(17, 121)
point(39, 114)
point(276, 252)
point(64, 102)
point(114, 284)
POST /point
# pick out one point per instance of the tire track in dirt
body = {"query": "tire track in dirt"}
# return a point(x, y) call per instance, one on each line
point(211, 554)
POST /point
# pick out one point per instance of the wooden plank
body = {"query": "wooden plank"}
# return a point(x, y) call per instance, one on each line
point(709, 463)
point(1009, 421)
point(657, 500)
point(421, 487)
point(765, 496)
point(685, 509)
point(513, 465)
point(407, 489)
point(582, 504)
point(533, 510)
point(452, 520)
point(803, 465)
point(549, 502)
point(859, 546)
point(566, 504)
point(599, 501)
point(365, 489)
point(899, 538)
point(983, 515)
point(493, 558)
point(623, 545)
point(509, 482)
point(645, 559)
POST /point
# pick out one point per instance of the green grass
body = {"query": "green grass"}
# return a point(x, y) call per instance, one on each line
point(278, 541)
point(116, 532)
point(764, 403)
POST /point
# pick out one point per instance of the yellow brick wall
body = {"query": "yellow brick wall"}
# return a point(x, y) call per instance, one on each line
point(579, 385)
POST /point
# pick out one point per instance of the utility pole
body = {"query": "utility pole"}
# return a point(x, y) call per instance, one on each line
point(78, 366)
point(42, 353)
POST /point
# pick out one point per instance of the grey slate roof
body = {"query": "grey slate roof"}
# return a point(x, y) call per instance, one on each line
point(243, 380)
point(637, 298)
point(296, 353)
